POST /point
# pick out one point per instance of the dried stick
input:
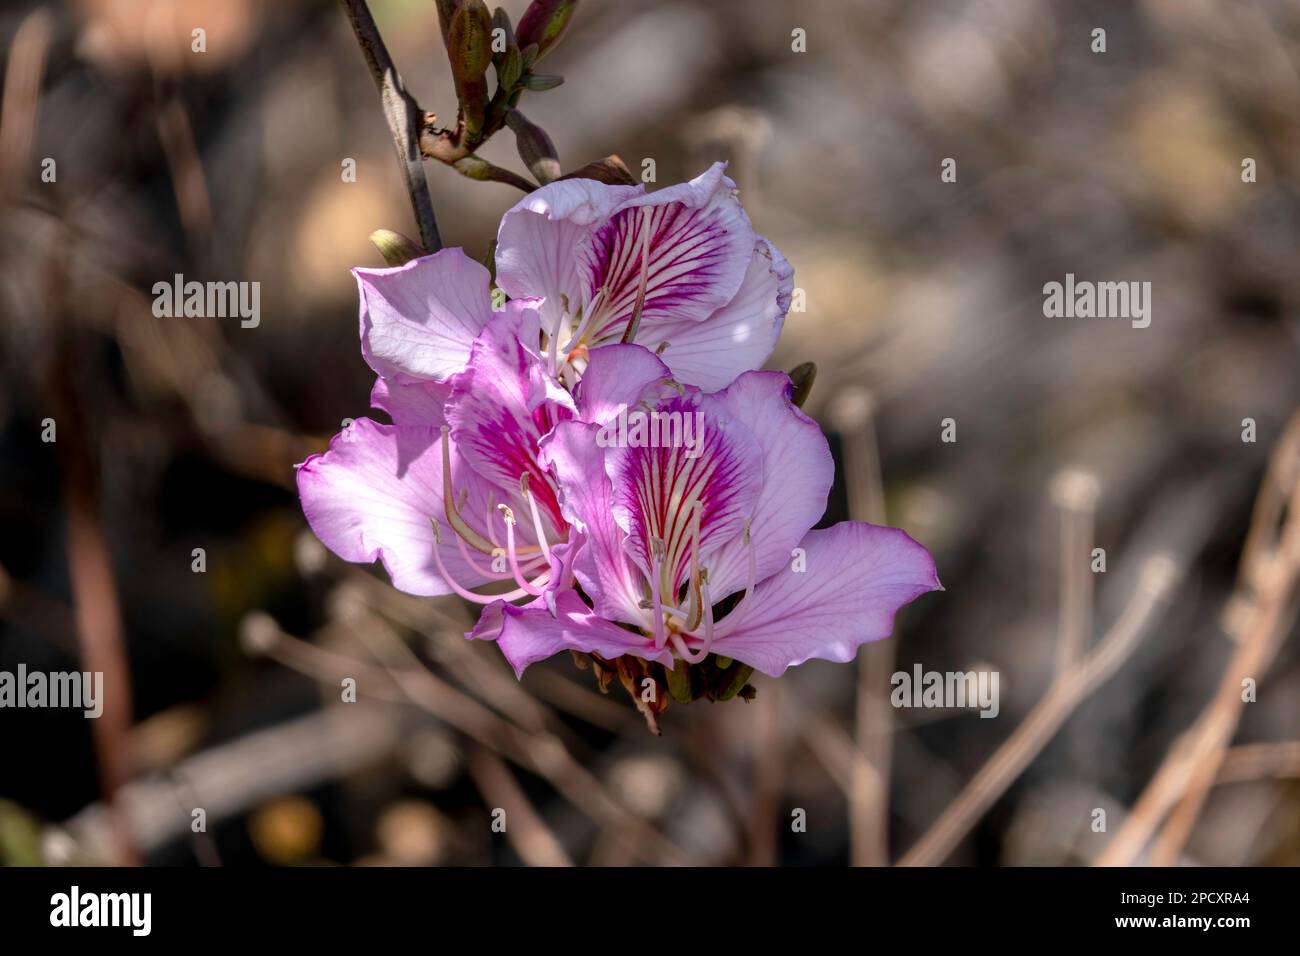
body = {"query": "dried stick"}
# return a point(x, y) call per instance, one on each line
point(403, 116)
point(874, 718)
point(1159, 575)
point(1269, 573)
point(22, 95)
point(1250, 762)
point(1075, 494)
point(538, 751)
point(525, 829)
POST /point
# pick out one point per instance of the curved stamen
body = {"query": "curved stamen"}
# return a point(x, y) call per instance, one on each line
point(680, 645)
point(478, 568)
point(592, 308)
point(644, 604)
point(537, 517)
point(512, 554)
point(455, 586)
point(449, 501)
point(697, 604)
point(630, 332)
point(553, 346)
point(656, 608)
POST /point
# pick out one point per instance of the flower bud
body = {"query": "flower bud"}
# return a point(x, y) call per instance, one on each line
point(396, 248)
point(469, 48)
point(501, 21)
point(611, 170)
point(544, 22)
point(535, 148)
point(802, 377)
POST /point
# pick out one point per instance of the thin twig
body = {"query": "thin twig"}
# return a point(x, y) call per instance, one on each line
point(1269, 574)
point(874, 718)
point(1158, 579)
point(525, 829)
point(403, 116)
point(1075, 494)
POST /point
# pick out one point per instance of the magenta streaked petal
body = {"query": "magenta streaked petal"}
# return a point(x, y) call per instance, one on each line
point(857, 577)
point(737, 337)
point(531, 634)
point(539, 238)
point(700, 247)
point(418, 320)
point(657, 489)
point(795, 477)
point(499, 412)
point(619, 376)
point(372, 495)
point(601, 565)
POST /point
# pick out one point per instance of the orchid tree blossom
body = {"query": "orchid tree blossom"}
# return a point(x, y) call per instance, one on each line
point(451, 497)
point(682, 554)
point(680, 271)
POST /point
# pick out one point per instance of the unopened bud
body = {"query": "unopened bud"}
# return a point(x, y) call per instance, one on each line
point(544, 23)
point(469, 49)
point(396, 248)
point(535, 148)
point(802, 377)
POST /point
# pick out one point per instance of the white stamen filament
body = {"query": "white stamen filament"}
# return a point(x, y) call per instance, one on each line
point(656, 607)
point(537, 517)
point(682, 650)
point(464, 592)
point(696, 604)
point(512, 555)
point(630, 333)
point(592, 308)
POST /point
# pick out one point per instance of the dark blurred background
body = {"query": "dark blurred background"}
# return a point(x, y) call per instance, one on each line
point(923, 302)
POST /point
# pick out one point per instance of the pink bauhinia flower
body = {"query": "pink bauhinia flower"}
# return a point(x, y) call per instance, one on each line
point(680, 271)
point(663, 537)
point(451, 496)
point(696, 276)
point(508, 473)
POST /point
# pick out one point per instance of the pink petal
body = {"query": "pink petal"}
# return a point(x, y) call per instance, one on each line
point(415, 403)
point(499, 411)
point(657, 490)
point(795, 478)
point(371, 498)
point(858, 575)
point(418, 320)
point(587, 501)
point(701, 244)
point(737, 337)
point(539, 237)
point(531, 634)
point(619, 376)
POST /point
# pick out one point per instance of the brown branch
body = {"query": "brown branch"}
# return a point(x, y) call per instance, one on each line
point(854, 413)
point(1158, 579)
point(1267, 590)
point(403, 115)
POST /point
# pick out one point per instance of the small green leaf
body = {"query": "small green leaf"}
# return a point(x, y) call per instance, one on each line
point(541, 82)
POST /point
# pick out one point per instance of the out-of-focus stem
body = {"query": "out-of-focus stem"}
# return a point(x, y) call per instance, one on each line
point(1159, 576)
point(404, 117)
point(853, 414)
point(1075, 493)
